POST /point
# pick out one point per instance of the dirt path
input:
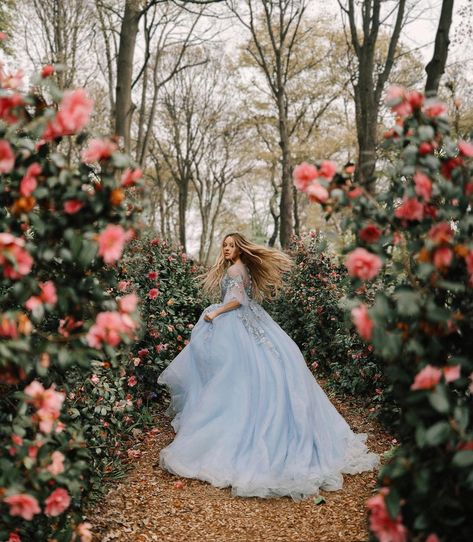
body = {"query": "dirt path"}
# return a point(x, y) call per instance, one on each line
point(148, 505)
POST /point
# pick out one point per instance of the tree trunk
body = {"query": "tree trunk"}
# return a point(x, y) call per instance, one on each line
point(436, 67)
point(286, 202)
point(182, 205)
point(126, 53)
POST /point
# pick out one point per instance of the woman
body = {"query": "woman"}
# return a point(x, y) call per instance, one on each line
point(247, 411)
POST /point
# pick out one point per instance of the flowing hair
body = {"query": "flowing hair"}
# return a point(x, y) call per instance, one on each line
point(266, 266)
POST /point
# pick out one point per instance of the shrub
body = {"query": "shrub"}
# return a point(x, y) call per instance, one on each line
point(310, 310)
point(419, 229)
point(63, 228)
point(171, 301)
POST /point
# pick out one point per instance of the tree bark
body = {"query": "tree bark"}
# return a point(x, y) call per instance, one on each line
point(436, 67)
point(126, 53)
point(368, 87)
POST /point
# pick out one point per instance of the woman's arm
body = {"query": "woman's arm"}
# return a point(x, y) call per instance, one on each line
point(230, 306)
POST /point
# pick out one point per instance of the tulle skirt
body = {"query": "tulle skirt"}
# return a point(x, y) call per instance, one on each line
point(249, 414)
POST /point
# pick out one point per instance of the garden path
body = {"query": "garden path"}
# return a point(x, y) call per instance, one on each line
point(150, 504)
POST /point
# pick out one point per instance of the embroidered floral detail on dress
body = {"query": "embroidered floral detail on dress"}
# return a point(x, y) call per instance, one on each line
point(251, 314)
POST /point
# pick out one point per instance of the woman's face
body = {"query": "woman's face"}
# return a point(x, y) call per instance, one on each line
point(230, 250)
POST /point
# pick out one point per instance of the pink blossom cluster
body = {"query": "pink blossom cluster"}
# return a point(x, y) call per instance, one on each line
point(363, 264)
point(305, 179)
point(383, 526)
point(405, 102)
point(48, 404)
point(11, 250)
point(29, 183)
point(112, 241)
point(98, 149)
point(428, 377)
point(47, 296)
point(73, 115)
point(11, 326)
point(109, 328)
point(26, 506)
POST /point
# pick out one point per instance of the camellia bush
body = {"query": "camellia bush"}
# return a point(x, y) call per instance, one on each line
point(309, 310)
point(171, 301)
point(418, 231)
point(64, 226)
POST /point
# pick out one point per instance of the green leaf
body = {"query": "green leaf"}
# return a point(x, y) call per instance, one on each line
point(87, 254)
point(408, 302)
point(437, 433)
point(439, 400)
point(319, 500)
point(393, 503)
point(463, 458)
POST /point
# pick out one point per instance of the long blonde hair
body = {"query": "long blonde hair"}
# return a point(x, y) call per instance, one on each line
point(266, 266)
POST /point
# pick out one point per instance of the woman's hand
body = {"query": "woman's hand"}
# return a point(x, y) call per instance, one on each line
point(209, 316)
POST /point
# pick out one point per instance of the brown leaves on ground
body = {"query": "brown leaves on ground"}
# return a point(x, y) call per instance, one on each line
point(151, 504)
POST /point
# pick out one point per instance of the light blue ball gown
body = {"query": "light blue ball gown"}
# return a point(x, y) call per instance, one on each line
point(248, 412)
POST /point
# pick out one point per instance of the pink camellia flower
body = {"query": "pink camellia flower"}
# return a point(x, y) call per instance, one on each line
point(410, 209)
point(83, 532)
point(73, 206)
point(48, 292)
point(130, 176)
point(451, 373)
point(128, 303)
point(57, 502)
point(132, 381)
point(143, 352)
point(29, 183)
point(57, 464)
point(72, 116)
point(327, 169)
point(11, 249)
point(153, 293)
point(423, 185)
point(370, 234)
point(362, 321)
point(14, 537)
point(112, 242)
point(303, 175)
point(433, 108)
point(48, 399)
point(432, 538)
point(33, 303)
point(98, 149)
point(46, 419)
point(363, 264)
point(108, 328)
point(441, 233)
point(47, 71)
point(152, 275)
point(23, 505)
point(415, 99)
point(8, 104)
point(7, 158)
point(3, 36)
point(383, 526)
point(427, 378)
point(442, 257)
point(27, 186)
point(94, 379)
point(465, 148)
point(317, 193)
point(123, 285)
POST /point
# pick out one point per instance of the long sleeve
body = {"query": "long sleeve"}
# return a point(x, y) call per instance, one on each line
point(234, 286)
